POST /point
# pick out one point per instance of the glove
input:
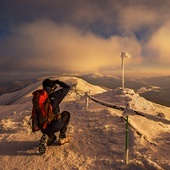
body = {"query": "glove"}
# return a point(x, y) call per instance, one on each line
point(56, 81)
point(62, 84)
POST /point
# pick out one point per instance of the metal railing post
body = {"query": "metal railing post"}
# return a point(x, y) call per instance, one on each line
point(126, 143)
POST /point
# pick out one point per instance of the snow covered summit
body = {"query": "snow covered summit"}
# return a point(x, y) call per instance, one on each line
point(98, 134)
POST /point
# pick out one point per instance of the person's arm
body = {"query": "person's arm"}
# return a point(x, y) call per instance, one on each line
point(60, 94)
point(62, 84)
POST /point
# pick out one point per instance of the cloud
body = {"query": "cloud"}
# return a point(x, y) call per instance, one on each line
point(45, 45)
point(158, 45)
point(136, 17)
point(83, 35)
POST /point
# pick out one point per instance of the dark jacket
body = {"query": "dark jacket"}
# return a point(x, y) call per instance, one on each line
point(57, 96)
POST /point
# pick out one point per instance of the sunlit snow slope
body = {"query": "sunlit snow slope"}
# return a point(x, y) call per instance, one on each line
point(98, 133)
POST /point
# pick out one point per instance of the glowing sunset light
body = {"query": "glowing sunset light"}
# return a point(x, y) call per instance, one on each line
point(46, 39)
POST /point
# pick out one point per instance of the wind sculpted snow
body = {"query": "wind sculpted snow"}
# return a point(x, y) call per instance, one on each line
point(98, 134)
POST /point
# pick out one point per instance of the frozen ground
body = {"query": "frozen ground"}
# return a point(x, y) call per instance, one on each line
point(98, 134)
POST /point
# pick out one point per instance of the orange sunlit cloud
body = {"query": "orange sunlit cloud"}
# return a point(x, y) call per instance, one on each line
point(46, 45)
point(159, 44)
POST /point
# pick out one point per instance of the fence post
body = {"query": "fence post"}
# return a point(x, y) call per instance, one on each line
point(86, 102)
point(76, 90)
point(126, 144)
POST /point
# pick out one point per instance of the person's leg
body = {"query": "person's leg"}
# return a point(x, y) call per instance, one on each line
point(65, 118)
point(48, 136)
point(51, 138)
point(46, 140)
point(53, 127)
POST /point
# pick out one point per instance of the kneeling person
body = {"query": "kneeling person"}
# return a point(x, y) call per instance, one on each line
point(62, 119)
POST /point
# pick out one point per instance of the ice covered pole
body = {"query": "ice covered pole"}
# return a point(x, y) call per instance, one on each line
point(123, 84)
point(124, 55)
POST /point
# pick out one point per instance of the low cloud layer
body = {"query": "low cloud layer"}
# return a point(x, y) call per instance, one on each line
point(45, 45)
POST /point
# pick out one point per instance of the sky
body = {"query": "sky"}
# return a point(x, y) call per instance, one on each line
point(80, 36)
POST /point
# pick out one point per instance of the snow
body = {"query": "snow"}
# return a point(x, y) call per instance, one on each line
point(98, 135)
point(151, 88)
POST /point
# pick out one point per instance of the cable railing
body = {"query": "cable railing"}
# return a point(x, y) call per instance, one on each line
point(88, 96)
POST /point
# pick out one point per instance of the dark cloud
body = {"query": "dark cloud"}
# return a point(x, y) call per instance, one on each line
point(97, 15)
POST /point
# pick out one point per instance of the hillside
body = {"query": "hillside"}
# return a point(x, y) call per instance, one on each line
point(98, 134)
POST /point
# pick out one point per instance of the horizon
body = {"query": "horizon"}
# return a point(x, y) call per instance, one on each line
point(114, 73)
point(27, 76)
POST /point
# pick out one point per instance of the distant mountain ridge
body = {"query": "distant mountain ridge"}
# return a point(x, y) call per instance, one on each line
point(11, 86)
point(155, 89)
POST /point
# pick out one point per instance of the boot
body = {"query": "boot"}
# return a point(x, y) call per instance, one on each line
point(51, 139)
point(43, 144)
point(64, 140)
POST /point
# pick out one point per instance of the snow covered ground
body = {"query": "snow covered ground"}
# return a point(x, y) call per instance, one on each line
point(98, 134)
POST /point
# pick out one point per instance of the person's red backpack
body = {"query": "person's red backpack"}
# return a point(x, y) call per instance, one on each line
point(42, 113)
